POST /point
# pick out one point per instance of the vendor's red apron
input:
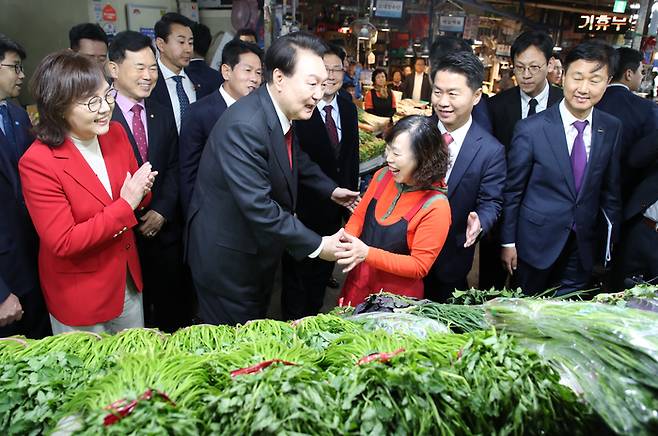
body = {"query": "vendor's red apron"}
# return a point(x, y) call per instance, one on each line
point(364, 280)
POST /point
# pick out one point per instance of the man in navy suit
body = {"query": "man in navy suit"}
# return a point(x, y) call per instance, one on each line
point(532, 57)
point(22, 310)
point(638, 116)
point(563, 175)
point(444, 45)
point(242, 71)
point(207, 79)
point(175, 89)
point(152, 133)
point(331, 139)
point(476, 175)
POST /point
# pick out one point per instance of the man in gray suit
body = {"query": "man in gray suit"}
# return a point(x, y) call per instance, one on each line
point(242, 214)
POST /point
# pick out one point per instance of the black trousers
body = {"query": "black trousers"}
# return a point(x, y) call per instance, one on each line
point(35, 323)
point(492, 273)
point(439, 290)
point(304, 285)
point(169, 298)
point(566, 275)
point(638, 255)
point(238, 299)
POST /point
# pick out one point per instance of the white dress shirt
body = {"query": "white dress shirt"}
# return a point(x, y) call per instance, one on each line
point(542, 101)
point(334, 114)
point(418, 86)
point(91, 152)
point(458, 136)
point(188, 87)
point(285, 126)
point(571, 132)
point(226, 96)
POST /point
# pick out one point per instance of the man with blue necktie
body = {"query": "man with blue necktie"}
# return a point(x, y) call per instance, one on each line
point(563, 175)
point(22, 310)
point(174, 89)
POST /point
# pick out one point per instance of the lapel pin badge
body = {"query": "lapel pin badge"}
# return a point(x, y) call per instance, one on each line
point(152, 116)
point(599, 130)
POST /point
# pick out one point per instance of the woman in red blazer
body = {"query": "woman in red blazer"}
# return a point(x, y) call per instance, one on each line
point(80, 193)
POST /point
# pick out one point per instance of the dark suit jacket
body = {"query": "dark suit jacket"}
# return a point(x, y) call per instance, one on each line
point(639, 118)
point(160, 94)
point(505, 111)
point(425, 90)
point(241, 216)
point(541, 205)
point(476, 184)
point(205, 78)
point(643, 159)
point(480, 114)
point(322, 215)
point(18, 240)
point(163, 155)
point(195, 130)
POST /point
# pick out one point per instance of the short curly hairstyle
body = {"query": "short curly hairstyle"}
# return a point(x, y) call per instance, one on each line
point(427, 145)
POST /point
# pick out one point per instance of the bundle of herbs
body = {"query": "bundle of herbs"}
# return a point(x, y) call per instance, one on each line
point(609, 354)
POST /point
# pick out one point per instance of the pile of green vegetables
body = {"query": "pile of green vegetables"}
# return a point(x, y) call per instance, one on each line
point(394, 366)
point(370, 146)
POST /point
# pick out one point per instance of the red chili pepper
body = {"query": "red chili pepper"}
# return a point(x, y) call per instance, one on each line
point(382, 357)
point(259, 367)
point(119, 409)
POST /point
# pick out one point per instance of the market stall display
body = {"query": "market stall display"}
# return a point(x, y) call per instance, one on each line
point(393, 365)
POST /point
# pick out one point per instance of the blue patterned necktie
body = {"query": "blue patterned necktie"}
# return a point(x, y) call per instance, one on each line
point(183, 101)
point(7, 125)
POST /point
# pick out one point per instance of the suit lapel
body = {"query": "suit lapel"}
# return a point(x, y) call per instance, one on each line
point(598, 135)
point(8, 164)
point(277, 140)
point(78, 168)
point(467, 153)
point(554, 131)
point(554, 95)
point(153, 123)
point(515, 109)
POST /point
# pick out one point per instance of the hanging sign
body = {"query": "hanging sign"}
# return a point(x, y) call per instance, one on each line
point(604, 23)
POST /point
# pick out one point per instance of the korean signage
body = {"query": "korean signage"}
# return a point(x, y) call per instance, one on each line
point(604, 23)
point(448, 23)
point(389, 9)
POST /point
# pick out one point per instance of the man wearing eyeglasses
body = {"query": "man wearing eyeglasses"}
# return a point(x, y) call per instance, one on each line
point(331, 139)
point(532, 58)
point(22, 310)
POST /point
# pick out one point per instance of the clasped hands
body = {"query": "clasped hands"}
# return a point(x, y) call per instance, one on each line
point(345, 249)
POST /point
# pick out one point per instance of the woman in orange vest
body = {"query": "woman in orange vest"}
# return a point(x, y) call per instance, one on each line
point(398, 229)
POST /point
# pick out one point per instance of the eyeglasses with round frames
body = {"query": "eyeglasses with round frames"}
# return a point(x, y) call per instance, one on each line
point(94, 104)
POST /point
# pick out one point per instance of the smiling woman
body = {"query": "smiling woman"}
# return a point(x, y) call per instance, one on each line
point(398, 229)
point(81, 196)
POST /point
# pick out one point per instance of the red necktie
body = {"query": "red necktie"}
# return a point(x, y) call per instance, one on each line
point(331, 126)
point(139, 133)
point(288, 137)
point(447, 138)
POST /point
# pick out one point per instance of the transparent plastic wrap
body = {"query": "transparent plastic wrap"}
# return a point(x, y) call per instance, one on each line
point(397, 322)
point(607, 354)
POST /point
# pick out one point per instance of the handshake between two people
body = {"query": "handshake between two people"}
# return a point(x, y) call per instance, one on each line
point(345, 249)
